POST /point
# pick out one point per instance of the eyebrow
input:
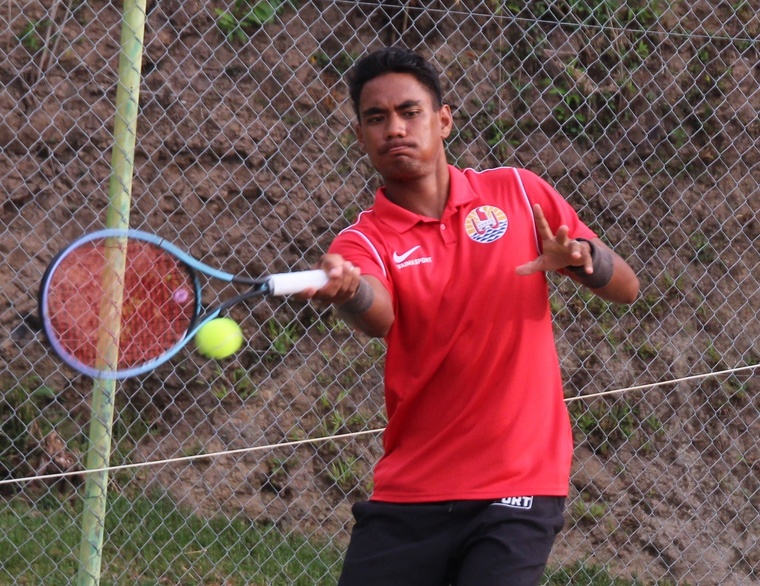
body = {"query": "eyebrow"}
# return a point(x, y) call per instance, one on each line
point(402, 106)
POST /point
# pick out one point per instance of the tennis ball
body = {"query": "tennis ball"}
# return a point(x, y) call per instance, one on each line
point(219, 338)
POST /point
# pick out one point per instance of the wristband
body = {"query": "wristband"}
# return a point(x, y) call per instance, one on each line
point(602, 265)
point(361, 301)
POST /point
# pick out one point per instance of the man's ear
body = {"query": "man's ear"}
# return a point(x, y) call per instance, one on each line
point(447, 120)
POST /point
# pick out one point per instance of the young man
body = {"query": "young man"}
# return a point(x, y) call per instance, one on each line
point(449, 266)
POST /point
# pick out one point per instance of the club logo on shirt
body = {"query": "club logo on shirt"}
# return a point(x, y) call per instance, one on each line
point(486, 224)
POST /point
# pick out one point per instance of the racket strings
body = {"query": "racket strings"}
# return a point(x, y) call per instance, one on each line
point(158, 303)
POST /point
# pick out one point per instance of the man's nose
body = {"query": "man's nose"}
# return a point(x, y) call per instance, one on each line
point(396, 126)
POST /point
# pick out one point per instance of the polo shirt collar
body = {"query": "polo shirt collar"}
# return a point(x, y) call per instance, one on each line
point(401, 220)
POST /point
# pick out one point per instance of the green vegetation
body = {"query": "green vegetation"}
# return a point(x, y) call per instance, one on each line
point(703, 250)
point(497, 138)
point(344, 473)
point(246, 16)
point(569, 111)
point(341, 63)
point(588, 96)
point(606, 427)
point(237, 382)
point(32, 36)
point(588, 511)
point(152, 541)
point(24, 421)
point(586, 575)
point(282, 337)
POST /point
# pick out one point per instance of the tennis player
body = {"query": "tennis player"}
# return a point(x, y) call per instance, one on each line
point(449, 267)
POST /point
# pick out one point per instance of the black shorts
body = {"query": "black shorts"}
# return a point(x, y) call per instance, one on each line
point(459, 543)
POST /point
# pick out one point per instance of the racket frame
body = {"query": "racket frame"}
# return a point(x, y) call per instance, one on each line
point(257, 287)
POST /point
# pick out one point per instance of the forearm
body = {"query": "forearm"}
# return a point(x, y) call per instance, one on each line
point(623, 286)
point(369, 310)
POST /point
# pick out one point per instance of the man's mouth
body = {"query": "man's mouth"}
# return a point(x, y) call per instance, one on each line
point(396, 147)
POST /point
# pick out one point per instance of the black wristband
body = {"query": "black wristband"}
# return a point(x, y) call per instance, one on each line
point(361, 301)
point(602, 264)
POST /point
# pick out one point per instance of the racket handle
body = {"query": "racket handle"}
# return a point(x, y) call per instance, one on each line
point(287, 283)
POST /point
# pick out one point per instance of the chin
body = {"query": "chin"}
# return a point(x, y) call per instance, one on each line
point(402, 171)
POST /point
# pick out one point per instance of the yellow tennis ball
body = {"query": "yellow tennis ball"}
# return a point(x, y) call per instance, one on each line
point(219, 338)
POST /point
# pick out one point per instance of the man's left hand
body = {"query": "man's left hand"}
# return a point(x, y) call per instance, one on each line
point(559, 250)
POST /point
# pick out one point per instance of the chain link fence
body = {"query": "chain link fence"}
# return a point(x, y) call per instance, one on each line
point(644, 114)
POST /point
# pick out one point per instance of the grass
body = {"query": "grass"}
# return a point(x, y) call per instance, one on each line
point(605, 427)
point(152, 541)
point(32, 35)
point(282, 337)
point(343, 472)
point(583, 574)
point(237, 382)
point(585, 511)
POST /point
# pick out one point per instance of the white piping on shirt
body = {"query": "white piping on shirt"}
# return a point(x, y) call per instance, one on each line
point(371, 246)
point(530, 209)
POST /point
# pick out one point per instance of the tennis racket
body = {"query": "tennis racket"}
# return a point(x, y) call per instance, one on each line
point(118, 303)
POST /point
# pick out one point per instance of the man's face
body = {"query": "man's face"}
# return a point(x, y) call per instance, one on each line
point(399, 129)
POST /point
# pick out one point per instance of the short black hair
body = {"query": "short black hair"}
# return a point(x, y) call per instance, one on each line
point(394, 60)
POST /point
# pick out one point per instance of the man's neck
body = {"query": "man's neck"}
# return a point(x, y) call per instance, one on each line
point(426, 196)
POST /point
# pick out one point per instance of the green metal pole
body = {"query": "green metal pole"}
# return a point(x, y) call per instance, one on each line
point(120, 194)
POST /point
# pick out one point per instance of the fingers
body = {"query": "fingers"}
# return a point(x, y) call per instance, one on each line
point(585, 256)
point(344, 278)
point(529, 268)
point(580, 256)
point(545, 230)
point(573, 246)
point(557, 250)
point(542, 225)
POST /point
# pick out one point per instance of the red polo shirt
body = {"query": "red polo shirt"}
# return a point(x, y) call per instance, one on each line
point(472, 382)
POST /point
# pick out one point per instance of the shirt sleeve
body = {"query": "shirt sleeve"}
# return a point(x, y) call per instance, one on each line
point(556, 209)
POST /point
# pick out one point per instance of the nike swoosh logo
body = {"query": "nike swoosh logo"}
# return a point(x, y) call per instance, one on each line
point(402, 257)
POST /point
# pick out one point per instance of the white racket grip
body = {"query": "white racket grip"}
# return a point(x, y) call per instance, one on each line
point(288, 283)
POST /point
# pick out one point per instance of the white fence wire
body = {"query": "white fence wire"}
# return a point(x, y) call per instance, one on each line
point(644, 114)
